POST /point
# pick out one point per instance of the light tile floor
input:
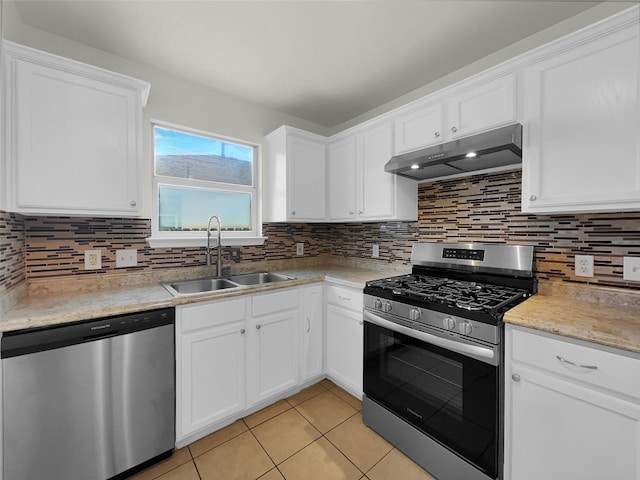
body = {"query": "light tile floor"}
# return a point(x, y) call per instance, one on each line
point(316, 434)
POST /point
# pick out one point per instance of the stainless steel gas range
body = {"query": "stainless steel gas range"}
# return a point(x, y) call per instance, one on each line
point(433, 357)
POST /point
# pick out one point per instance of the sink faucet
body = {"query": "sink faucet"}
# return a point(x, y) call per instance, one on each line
point(208, 250)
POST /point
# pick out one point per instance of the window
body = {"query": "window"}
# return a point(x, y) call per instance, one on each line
point(196, 175)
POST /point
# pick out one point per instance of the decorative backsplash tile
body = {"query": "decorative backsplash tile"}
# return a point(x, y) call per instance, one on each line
point(12, 250)
point(482, 208)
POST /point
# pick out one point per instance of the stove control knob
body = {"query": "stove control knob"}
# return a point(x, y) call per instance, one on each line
point(449, 323)
point(386, 307)
point(465, 328)
point(414, 314)
point(377, 304)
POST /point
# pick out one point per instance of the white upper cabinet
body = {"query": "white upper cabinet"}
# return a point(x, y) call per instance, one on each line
point(419, 127)
point(481, 107)
point(582, 123)
point(343, 176)
point(73, 136)
point(359, 188)
point(469, 108)
point(295, 176)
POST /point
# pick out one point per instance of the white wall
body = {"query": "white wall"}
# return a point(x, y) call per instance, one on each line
point(172, 99)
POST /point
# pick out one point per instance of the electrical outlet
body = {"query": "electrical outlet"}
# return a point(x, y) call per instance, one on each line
point(584, 266)
point(92, 259)
point(375, 251)
point(234, 254)
point(631, 269)
point(126, 258)
point(299, 248)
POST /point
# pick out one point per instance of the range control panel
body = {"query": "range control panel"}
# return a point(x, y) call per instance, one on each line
point(463, 254)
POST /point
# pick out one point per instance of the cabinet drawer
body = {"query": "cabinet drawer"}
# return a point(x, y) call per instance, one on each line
point(345, 298)
point(613, 372)
point(203, 315)
point(275, 302)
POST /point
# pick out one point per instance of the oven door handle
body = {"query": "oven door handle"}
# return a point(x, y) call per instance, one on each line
point(458, 347)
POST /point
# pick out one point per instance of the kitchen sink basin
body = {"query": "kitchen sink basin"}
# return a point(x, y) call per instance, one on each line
point(259, 278)
point(201, 285)
point(204, 285)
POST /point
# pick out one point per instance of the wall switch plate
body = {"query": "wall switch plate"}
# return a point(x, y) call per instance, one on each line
point(584, 266)
point(375, 251)
point(234, 254)
point(92, 259)
point(299, 248)
point(126, 258)
point(631, 268)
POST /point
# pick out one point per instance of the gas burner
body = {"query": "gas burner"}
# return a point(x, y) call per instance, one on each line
point(470, 296)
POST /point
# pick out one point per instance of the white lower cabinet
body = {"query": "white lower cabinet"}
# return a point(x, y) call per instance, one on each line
point(234, 356)
point(210, 352)
point(344, 341)
point(566, 421)
point(272, 356)
point(312, 333)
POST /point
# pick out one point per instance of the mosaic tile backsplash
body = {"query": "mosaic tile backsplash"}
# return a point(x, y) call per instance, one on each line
point(12, 250)
point(482, 208)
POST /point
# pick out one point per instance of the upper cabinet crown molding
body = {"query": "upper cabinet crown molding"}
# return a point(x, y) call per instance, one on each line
point(17, 51)
point(73, 136)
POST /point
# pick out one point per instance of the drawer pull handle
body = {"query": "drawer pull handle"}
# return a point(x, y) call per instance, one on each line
point(347, 299)
point(308, 325)
point(564, 360)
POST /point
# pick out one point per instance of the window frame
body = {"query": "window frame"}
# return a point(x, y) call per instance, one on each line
point(199, 238)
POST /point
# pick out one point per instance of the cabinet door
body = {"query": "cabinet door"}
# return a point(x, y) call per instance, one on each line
point(306, 179)
point(419, 128)
point(342, 179)
point(376, 188)
point(482, 107)
point(273, 355)
point(561, 430)
point(345, 348)
point(212, 366)
point(582, 115)
point(312, 333)
point(76, 141)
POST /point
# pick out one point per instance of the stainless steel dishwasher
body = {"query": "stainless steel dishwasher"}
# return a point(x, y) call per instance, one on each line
point(90, 400)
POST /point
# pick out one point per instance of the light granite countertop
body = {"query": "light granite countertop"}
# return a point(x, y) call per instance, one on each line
point(56, 307)
point(601, 315)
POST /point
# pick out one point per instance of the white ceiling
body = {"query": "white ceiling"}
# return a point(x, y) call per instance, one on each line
point(323, 61)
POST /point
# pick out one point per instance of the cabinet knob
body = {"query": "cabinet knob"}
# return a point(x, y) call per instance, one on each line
point(361, 322)
point(293, 213)
point(515, 377)
point(436, 134)
point(350, 213)
point(454, 129)
point(258, 327)
point(133, 203)
point(242, 331)
point(533, 198)
point(360, 212)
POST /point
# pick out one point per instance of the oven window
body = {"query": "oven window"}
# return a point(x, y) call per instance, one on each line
point(450, 397)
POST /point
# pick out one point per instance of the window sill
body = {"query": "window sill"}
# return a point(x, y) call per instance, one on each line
point(165, 242)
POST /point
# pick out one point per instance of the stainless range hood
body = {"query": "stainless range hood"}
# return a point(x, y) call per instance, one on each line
point(496, 149)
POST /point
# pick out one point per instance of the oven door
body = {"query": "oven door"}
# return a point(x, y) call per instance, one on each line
point(448, 391)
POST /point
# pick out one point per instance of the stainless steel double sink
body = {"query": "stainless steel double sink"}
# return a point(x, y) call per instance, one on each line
point(212, 284)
